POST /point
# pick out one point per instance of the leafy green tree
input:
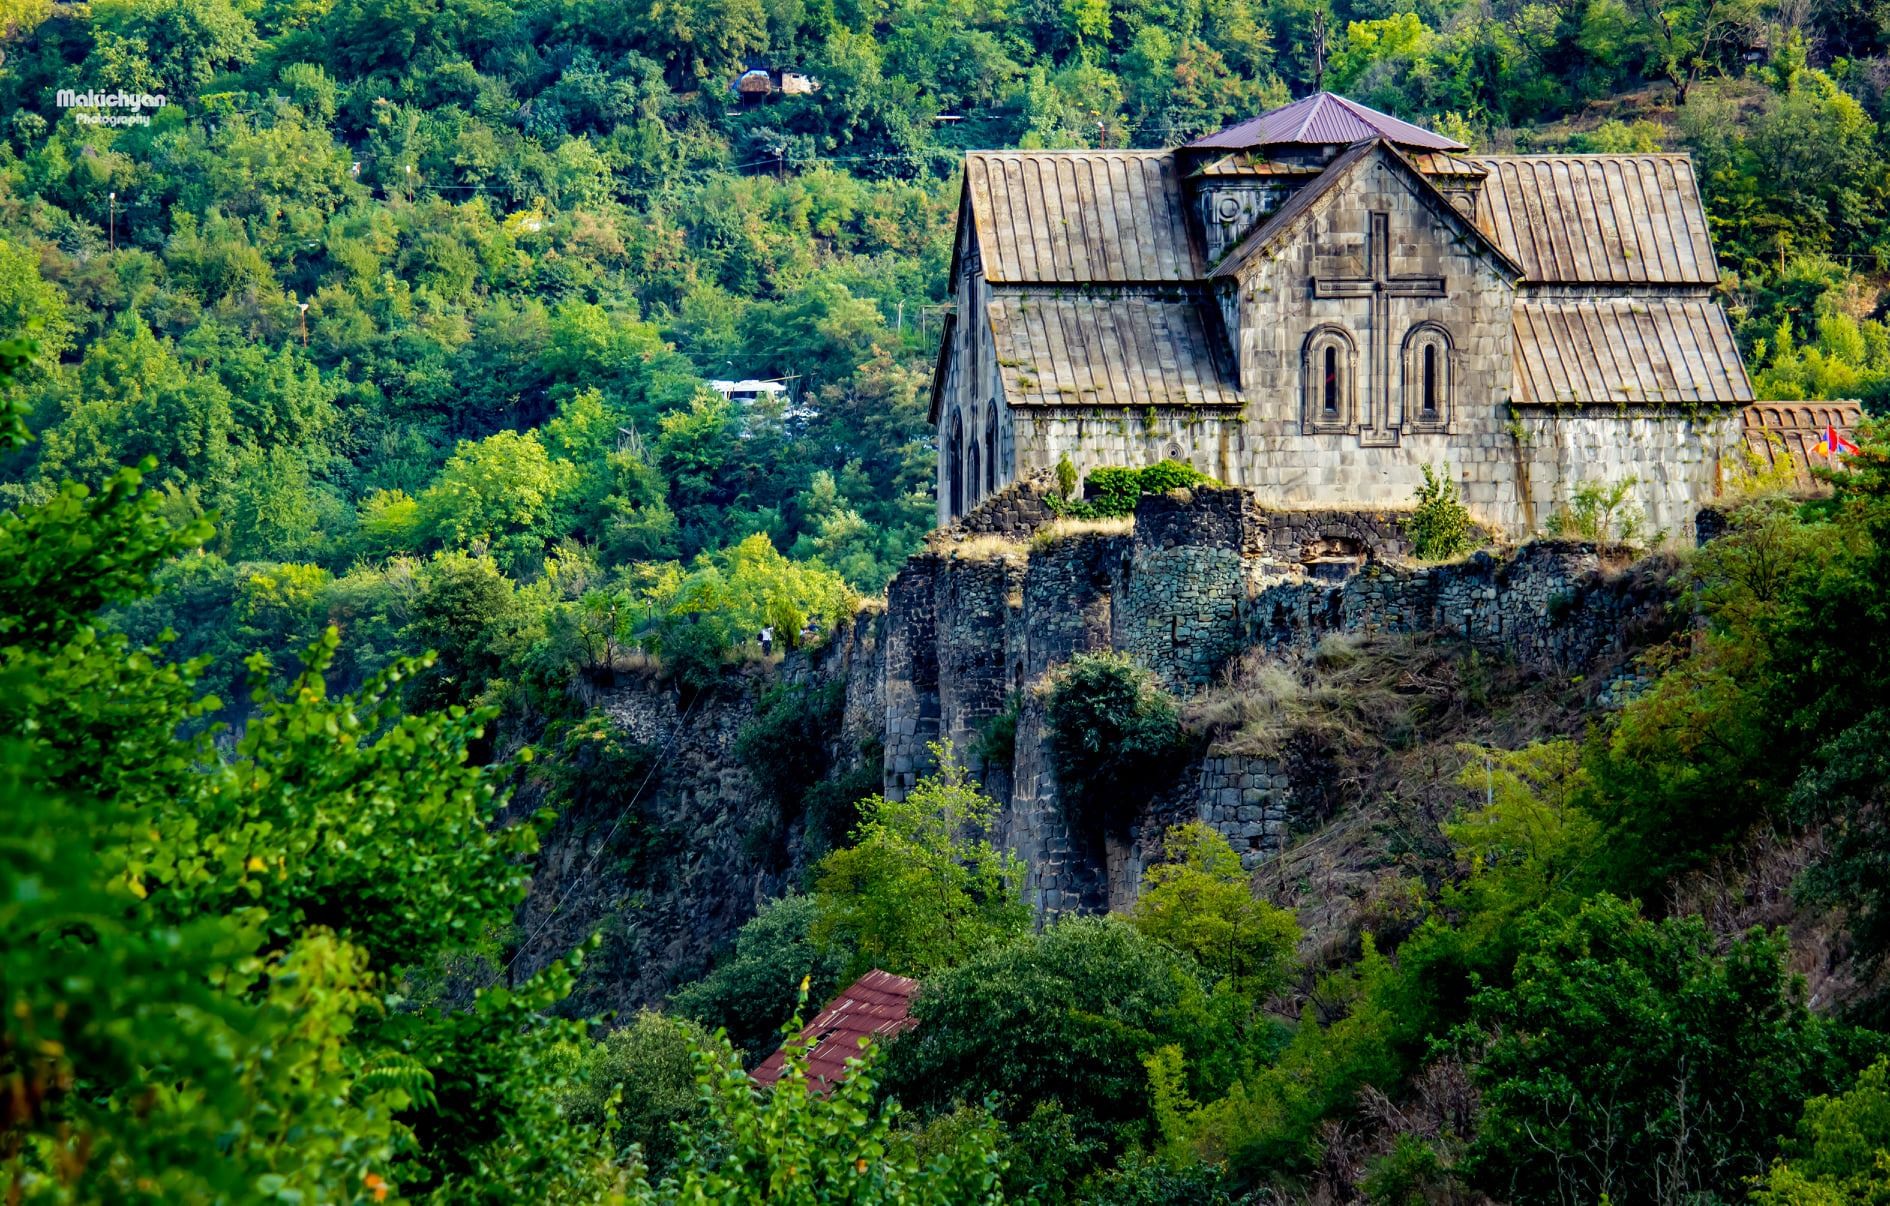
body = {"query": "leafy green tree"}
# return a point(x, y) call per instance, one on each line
point(1841, 1151)
point(646, 1072)
point(1629, 1057)
point(136, 399)
point(1201, 903)
point(725, 598)
point(502, 493)
point(1115, 738)
point(750, 993)
point(170, 47)
point(193, 1016)
point(1068, 1016)
point(803, 1143)
point(921, 888)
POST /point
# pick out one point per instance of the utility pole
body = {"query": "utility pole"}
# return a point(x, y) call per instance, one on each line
point(112, 227)
point(902, 320)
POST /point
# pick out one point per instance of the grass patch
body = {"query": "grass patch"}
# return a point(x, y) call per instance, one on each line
point(982, 548)
point(1074, 529)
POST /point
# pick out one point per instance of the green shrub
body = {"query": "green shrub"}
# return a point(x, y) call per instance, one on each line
point(751, 991)
point(1441, 527)
point(1629, 1055)
point(1065, 1016)
point(1603, 513)
point(1841, 1153)
point(648, 1068)
point(1112, 490)
point(1115, 738)
point(997, 736)
point(787, 746)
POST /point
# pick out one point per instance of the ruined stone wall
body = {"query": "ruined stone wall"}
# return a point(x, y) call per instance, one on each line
point(1203, 576)
point(964, 633)
point(1551, 602)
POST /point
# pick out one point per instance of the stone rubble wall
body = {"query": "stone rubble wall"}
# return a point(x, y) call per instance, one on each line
point(966, 632)
point(1204, 576)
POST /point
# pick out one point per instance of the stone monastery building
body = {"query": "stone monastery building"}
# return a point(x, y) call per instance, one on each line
point(1316, 303)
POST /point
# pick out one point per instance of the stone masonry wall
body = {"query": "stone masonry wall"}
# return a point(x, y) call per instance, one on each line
point(1203, 577)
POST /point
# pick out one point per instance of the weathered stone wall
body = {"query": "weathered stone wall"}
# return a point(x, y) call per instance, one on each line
point(1552, 602)
point(1015, 512)
point(1248, 800)
point(1204, 576)
point(909, 675)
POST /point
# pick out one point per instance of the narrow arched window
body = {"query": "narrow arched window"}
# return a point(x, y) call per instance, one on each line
point(974, 477)
point(1328, 365)
point(1427, 377)
point(955, 466)
point(990, 449)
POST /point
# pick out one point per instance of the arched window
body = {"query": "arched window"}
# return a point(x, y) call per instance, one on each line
point(1330, 372)
point(990, 449)
point(974, 477)
point(1428, 374)
point(955, 466)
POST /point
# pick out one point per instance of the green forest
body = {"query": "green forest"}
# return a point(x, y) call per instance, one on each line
point(357, 409)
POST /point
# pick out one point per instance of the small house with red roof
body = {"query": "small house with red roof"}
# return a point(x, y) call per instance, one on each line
point(876, 1006)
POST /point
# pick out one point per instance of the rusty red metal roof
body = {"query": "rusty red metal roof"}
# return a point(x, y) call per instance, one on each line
point(876, 1006)
point(1323, 119)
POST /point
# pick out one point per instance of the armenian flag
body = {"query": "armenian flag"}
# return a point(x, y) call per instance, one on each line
point(1833, 442)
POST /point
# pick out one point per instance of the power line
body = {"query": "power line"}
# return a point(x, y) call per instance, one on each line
point(552, 913)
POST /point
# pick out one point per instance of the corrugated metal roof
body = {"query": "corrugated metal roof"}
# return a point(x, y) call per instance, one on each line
point(1110, 351)
point(1438, 163)
point(1323, 119)
point(1617, 219)
point(1070, 216)
point(1789, 430)
point(1282, 220)
point(1626, 350)
point(1242, 164)
point(876, 1006)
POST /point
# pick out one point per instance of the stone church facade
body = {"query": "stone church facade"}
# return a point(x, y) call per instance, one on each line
point(1317, 303)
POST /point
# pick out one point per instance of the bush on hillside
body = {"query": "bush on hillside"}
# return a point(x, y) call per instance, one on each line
point(1115, 738)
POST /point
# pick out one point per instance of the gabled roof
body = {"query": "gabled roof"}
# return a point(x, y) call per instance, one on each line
point(1599, 219)
point(1063, 217)
point(1095, 350)
point(876, 1006)
point(1296, 208)
point(1626, 350)
point(1323, 119)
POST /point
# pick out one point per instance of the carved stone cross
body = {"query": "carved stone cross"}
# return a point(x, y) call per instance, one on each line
point(1376, 429)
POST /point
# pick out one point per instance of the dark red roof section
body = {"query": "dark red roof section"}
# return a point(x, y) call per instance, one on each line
point(1323, 119)
point(876, 1006)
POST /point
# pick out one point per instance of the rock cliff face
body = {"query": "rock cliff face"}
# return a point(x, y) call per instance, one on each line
point(974, 625)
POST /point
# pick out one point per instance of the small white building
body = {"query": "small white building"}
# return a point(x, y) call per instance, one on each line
point(750, 391)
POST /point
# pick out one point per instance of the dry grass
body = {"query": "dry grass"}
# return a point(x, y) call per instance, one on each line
point(1350, 692)
point(981, 548)
point(1074, 529)
point(1372, 730)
